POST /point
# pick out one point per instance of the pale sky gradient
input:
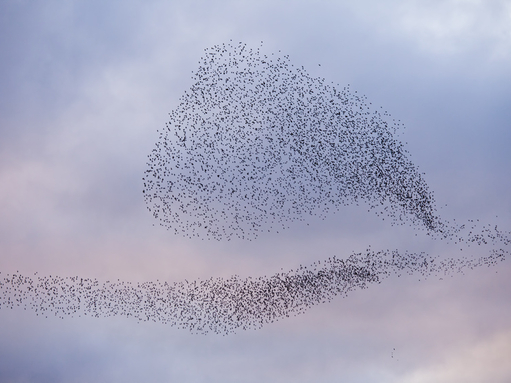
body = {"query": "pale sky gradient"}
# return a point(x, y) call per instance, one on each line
point(84, 87)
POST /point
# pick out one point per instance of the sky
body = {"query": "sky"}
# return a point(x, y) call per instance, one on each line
point(85, 87)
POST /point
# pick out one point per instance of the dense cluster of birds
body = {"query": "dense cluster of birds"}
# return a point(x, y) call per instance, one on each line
point(256, 144)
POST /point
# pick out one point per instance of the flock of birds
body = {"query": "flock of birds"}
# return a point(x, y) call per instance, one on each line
point(256, 144)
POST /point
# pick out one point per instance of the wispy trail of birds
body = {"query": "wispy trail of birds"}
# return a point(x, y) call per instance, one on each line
point(256, 144)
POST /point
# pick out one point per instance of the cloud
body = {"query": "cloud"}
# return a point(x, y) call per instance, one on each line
point(483, 361)
point(446, 29)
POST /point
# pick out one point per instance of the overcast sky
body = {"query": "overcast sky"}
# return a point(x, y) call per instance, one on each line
point(84, 87)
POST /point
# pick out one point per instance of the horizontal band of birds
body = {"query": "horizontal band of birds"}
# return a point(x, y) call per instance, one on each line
point(254, 145)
